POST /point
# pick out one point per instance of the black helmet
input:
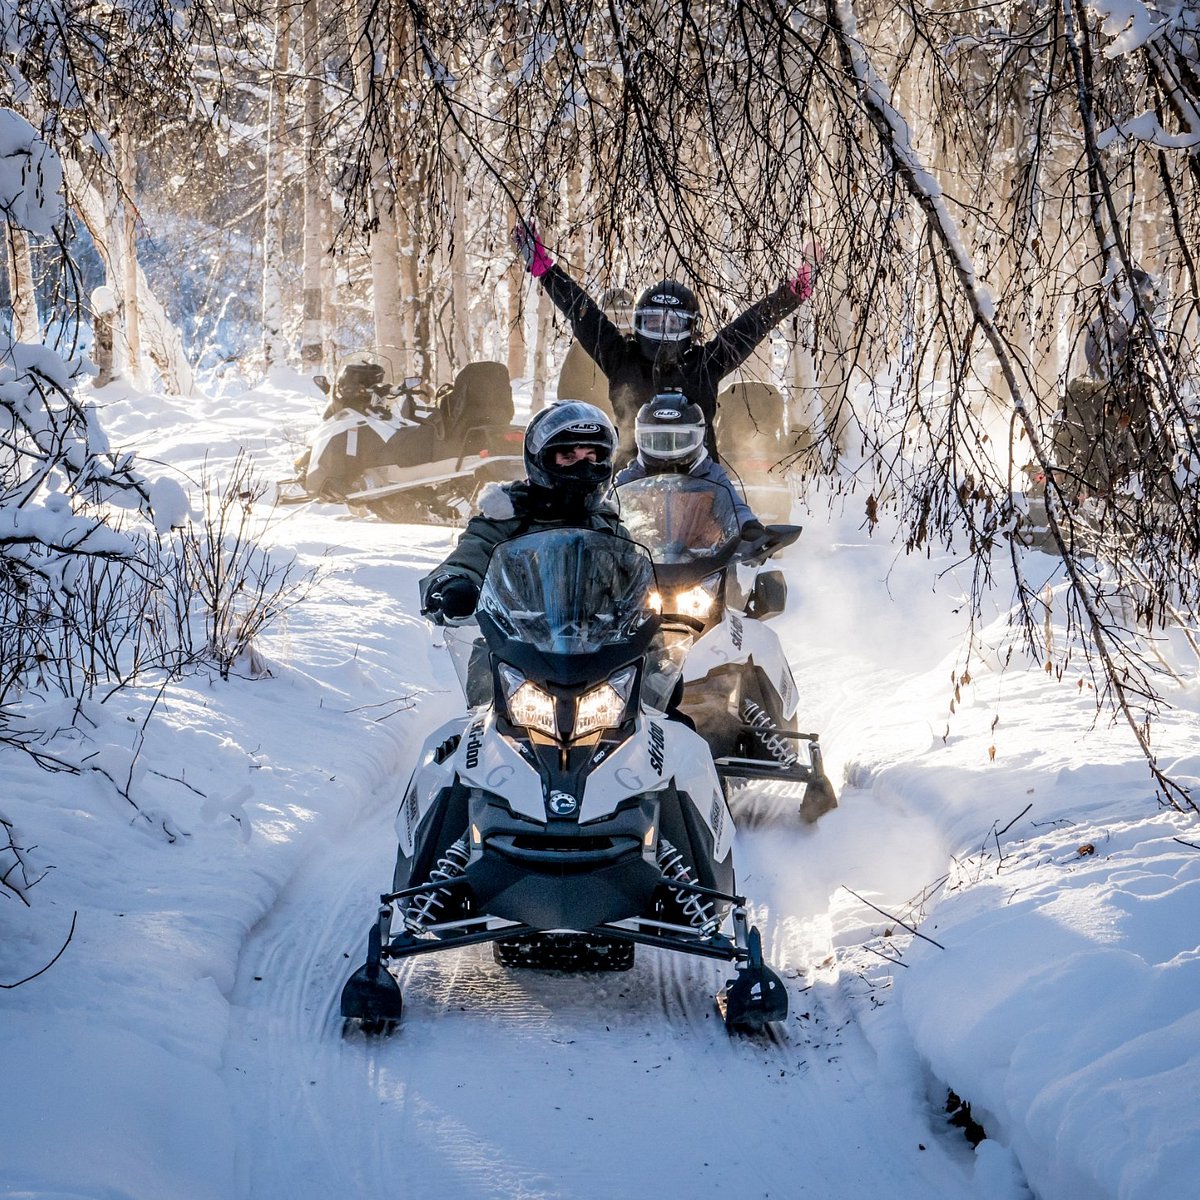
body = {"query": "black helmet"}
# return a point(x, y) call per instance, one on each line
point(359, 382)
point(664, 318)
point(669, 432)
point(570, 423)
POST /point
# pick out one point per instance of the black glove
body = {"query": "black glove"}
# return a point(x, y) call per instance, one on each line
point(753, 530)
point(450, 597)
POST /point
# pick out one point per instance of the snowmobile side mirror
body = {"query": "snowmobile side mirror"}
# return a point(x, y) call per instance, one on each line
point(769, 596)
point(322, 383)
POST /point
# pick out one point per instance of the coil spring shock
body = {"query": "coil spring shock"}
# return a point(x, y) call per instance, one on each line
point(699, 910)
point(764, 729)
point(422, 909)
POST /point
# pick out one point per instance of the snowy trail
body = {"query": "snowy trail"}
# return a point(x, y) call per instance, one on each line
point(525, 1084)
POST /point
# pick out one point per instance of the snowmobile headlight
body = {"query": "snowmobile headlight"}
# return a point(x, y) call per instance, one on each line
point(601, 708)
point(697, 602)
point(528, 705)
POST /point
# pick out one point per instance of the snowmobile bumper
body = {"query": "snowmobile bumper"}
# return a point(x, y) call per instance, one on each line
point(563, 875)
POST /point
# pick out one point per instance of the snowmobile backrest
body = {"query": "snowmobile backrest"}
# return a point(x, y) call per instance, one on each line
point(481, 395)
point(750, 410)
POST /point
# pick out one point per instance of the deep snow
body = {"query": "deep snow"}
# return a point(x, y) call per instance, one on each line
point(186, 1043)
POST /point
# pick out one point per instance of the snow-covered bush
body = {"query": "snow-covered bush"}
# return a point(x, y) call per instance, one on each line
point(63, 492)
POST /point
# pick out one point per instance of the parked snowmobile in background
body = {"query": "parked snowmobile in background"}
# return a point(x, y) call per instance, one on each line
point(738, 687)
point(405, 456)
point(750, 429)
point(568, 819)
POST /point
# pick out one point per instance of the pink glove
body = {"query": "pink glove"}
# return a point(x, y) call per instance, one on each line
point(806, 274)
point(529, 245)
point(802, 282)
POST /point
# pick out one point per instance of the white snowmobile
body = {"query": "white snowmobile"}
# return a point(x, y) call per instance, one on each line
point(569, 819)
point(394, 452)
point(716, 596)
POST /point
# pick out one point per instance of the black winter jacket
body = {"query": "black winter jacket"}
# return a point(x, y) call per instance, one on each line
point(509, 510)
point(634, 379)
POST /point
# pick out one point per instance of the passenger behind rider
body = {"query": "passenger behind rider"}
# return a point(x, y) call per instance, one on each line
point(661, 353)
point(669, 433)
point(569, 450)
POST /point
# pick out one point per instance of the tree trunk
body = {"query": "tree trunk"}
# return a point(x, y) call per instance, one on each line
point(274, 344)
point(26, 327)
point(518, 348)
point(312, 333)
point(460, 309)
point(540, 346)
point(129, 263)
point(330, 302)
point(96, 204)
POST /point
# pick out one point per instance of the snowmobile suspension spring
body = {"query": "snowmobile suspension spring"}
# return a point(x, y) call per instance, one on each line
point(422, 909)
point(764, 729)
point(699, 910)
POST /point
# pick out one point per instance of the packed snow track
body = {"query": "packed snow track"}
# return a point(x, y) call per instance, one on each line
point(506, 1083)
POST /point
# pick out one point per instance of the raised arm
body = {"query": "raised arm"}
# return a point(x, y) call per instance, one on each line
point(594, 331)
point(736, 342)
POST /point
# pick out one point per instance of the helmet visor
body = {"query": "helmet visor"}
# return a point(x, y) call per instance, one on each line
point(664, 324)
point(669, 442)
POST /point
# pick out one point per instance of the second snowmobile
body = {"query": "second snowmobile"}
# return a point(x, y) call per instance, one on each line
point(569, 819)
point(393, 451)
point(738, 686)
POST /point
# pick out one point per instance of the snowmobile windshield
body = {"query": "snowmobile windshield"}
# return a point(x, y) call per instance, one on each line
point(569, 591)
point(680, 519)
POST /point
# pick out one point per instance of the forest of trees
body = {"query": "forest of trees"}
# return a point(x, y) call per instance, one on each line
point(986, 184)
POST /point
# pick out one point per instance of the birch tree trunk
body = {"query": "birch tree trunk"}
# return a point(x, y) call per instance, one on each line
point(274, 345)
point(518, 348)
point(129, 263)
point(95, 202)
point(312, 332)
point(330, 301)
point(385, 278)
point(460, 314)
point(540, 347)
point(26, 326)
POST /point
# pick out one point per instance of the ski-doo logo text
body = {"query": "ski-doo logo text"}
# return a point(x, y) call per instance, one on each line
point(411, 810)
point(657, 747)
point(735, 630)
point(474, 745)
point(716, 817)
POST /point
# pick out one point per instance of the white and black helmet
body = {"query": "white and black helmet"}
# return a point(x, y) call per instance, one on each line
point(564, 424)
point(669, 432)
point(665, 317)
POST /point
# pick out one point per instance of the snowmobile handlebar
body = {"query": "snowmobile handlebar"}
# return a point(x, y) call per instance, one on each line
point(776, 538)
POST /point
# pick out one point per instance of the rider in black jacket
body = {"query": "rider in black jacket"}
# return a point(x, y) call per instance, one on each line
point(660, 355)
